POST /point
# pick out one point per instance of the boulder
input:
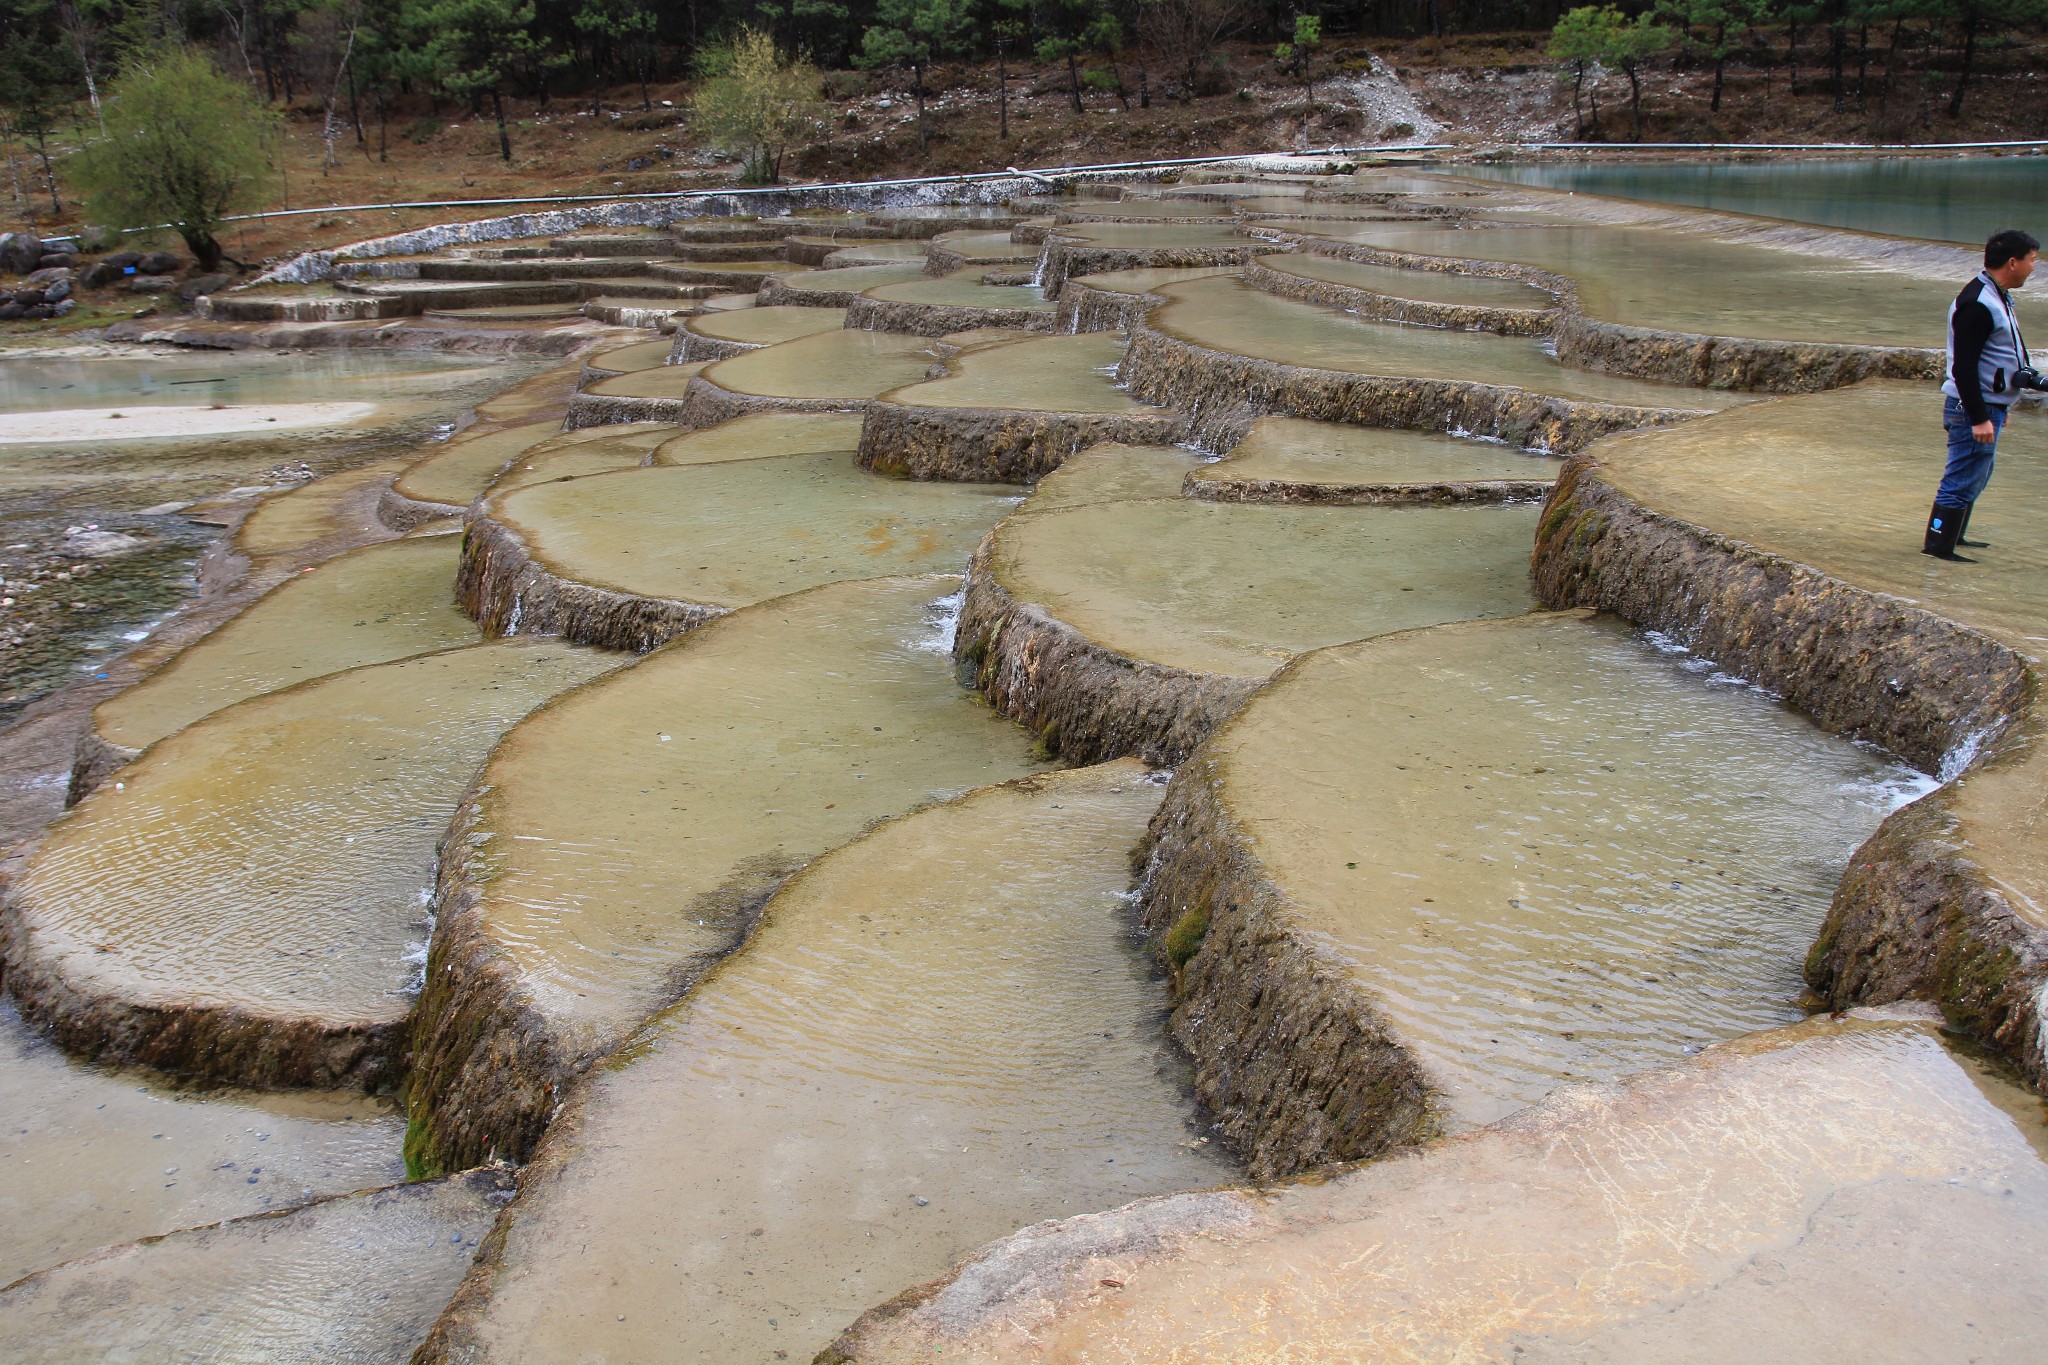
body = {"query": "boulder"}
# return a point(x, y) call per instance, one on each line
point(20, 252)
point(100, 273)
point(122, 260)
point(53, 259)
point(97, 239)
point(160, 263)
point(57, 291)
point(26, 297)
point(152, 284)
point(43, 279)
point(37, 313)
point(10, 311)
point(204, 284)
point(64, 309)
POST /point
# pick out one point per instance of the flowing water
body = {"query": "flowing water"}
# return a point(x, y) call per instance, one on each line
point(1228, 315)
point(278, 857)
point(1428, 286)
point(372, 606)
point(744, 530)
point(628, 829)
point(1036, 374)
point(762, 435)
point(1239, 590)
point(91, 1156)
point(1550, 850)
point(835, 365)
point(1294, 450)
point(942, 1031)
point(1685, 282)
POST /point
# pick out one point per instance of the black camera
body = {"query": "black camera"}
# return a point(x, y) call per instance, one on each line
point(2027, 377)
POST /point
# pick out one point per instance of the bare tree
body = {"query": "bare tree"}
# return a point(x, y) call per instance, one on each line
point(1186, 32)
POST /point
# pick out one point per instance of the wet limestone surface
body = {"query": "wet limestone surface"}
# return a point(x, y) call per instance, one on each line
point(91, 1156)
point(1113, 472)
point(760, 436)
point(1146, 279)
point(984, 246)
point(842, 365)
point(1153, 236)
point(356, 1279)
point(456, 472)
point(1138, 210)
point(741, 531)
point(660, 381)
point(1228, 315)
point(1548, 850)
point(1040, 374)
point(940, 1033)
point(371, 606)
point(1238, 589)
point(1832, 1191)
point(593, 450)
point(876, 253)
point(641, 355)
point(276, 858)
point(313, 512)
point(1687, 282)
point(1333, 456)
point(1427, 286)
point(765, 326)
point(962, 289)
point(1843, 481)
point(629, 823)
point(851, 279)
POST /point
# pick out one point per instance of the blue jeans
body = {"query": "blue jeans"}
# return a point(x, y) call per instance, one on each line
point(1969, 461)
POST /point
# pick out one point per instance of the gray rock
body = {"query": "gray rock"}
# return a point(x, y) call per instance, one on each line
point(99, 544)
point(43, 279)
point(152, 284)
point(205, 284)
point(97, 239)
point(56, 291)
point(36, 313)
point(10, 311)
point(53, 259)
point(100, 273)
point(121, 260)
point(27, 298)
point(160, 263)
point(64, 309)
point(20, 252)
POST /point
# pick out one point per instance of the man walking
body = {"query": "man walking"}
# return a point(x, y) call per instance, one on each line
point(1988, 366)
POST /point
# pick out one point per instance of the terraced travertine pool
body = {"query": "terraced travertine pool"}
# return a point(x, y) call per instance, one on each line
point(768, 856)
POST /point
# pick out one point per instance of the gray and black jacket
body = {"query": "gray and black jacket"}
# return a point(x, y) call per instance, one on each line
point(1985, 349)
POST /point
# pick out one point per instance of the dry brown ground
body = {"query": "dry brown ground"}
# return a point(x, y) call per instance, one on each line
point(1484, 88)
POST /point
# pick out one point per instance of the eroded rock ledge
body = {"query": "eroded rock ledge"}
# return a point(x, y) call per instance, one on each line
point(1087, 703)
point(509, 592)
point(1165, 369)
point(1289, 1049)
point(1922, 910)
point(989, 445)
point(1717, 362)
point(937, 319)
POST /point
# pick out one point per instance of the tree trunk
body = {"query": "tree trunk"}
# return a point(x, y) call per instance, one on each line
point(383, 127)
point(1578, 89)
point(1635, 102)
point(1955, 106)
point(1002, 95)
point(1792, 52)
point(1838, 55)
point(1074, 82)
point(917, 74)
point(504, 138)
point(1720, 66)
point(49, 174)
point(355, 109)
point(1862, 60)
point(205, 250)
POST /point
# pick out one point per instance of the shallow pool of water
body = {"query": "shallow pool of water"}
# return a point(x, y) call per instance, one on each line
point(1549, 849)
point(837, 364)
point(942, 1032)
point(1946, 199)
point(1038, 374)
point(1235, 589)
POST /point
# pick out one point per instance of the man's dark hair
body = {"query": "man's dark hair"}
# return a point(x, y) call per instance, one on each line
point(2007, 244)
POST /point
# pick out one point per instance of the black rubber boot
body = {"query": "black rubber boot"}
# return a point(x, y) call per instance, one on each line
point(1944, 525)
point(1963, 531)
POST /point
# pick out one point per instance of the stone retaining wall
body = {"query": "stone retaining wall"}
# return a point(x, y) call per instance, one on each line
point(984, 445)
